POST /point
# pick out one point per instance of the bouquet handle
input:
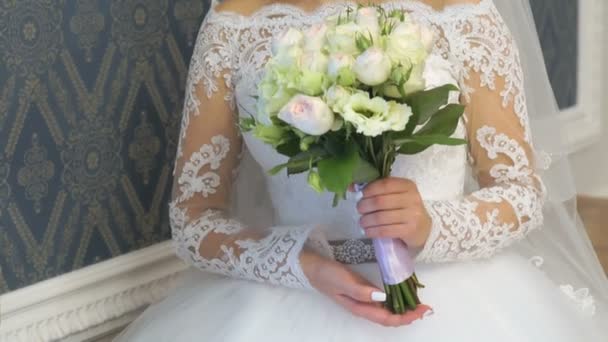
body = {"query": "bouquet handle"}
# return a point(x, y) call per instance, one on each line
point(397, 269)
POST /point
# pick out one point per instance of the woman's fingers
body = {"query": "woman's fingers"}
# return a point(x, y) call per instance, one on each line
point(373, 312)
point(392, 231)
point(365, 294)
point(407, 216)
point(387, 186)
point(380, 315)
point(387, 202)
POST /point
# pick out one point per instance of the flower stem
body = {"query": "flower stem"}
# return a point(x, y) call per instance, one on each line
point(403, 297)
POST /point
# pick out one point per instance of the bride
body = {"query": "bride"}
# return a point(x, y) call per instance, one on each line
point(498, 244)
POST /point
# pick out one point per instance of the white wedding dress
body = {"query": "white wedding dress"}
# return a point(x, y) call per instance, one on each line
point(246, 284)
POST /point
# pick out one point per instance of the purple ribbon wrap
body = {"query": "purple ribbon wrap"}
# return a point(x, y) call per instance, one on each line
point(394, 259)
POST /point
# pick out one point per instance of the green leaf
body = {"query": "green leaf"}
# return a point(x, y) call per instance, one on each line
point(444, 121)
point(247, 124)
point(412, 148)
point(333, 144)
point(438, 140)
point(337, 171)
point(301, 162)
point(365, 172)
point(426, 103)
point(275, 170)
point(273, 135)
point(289, 149)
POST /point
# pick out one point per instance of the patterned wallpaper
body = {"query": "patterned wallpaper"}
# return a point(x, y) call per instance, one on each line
point(90, 97)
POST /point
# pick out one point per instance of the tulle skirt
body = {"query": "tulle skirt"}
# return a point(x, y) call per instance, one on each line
point(501, 299)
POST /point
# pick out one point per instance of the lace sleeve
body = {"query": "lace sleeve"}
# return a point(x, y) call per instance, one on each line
point(510, 200)
point(204, 233)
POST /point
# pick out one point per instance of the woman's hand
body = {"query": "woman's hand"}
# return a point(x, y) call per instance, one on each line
point(354, 293)
point(393, 208)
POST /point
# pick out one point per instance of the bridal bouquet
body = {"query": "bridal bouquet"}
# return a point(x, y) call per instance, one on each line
point(343, 98)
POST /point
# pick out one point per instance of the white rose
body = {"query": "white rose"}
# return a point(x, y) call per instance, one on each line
point(342, 38)
point(405, 43)
point(367, 19)
point(314, 61)
point(315, 37)
point(338, 61)
point(373, 67)
point(308, 114)
point(287, 40)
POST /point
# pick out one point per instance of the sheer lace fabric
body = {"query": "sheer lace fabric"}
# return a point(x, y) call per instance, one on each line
point(230, 52)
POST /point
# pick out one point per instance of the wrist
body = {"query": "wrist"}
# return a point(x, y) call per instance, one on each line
point(309, 262)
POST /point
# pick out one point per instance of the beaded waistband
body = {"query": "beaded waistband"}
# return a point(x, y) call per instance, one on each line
point(353, 252)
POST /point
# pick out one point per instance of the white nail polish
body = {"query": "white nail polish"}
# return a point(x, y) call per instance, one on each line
point(359, 195)
point(363, 232)
point(428, 313)
point(378, 296)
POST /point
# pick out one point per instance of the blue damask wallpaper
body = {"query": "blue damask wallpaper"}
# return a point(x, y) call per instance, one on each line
point(90, 99)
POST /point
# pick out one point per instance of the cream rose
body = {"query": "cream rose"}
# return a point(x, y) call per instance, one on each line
point(373, 67)
point(342, 38)
point(315, 37)
point(287, 40)
point(308, 114)
point(367, 19)
point(314, 61)
point(405, 42)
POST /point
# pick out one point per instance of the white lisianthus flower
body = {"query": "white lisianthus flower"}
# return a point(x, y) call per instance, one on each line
point(315, 37)
point(372, 117)
point(315, 61)
point(373, 67)
point(342, 38)
point(336, 97)
point(338, 61)
point(308, 114)
point(290, 38)
point(367, 19)
point(399, 115)
point(405, 42)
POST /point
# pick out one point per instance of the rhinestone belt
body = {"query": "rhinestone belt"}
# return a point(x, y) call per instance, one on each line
point(353, 252)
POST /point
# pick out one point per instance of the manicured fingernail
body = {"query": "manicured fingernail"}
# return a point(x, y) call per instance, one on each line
point(428, 313)
point(378, 296)
point(359, 195)
point(363, 232)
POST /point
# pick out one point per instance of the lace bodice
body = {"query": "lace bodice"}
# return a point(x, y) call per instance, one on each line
point(227, 64)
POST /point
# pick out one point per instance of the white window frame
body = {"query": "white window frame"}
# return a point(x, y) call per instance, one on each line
point(582, 122)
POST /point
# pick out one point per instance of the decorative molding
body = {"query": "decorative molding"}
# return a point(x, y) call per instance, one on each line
point(78, 301)
point(583, 122)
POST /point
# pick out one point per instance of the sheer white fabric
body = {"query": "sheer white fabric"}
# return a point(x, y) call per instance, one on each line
point(229, 217)
point(232, 50)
